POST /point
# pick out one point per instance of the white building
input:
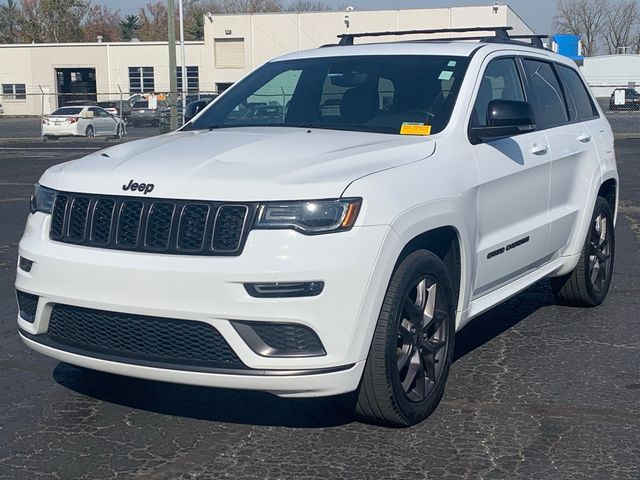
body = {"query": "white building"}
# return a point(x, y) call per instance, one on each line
point(37, 78)
point(606, 72)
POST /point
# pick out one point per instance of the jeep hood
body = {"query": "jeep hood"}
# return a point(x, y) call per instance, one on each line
point(240, 164)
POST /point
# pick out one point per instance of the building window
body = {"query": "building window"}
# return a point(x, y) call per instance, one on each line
point(14, 91)
point(193, 80)
point(221, 87)
point(229, 52)
point(141, 79)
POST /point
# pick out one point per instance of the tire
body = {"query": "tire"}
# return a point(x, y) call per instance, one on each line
point(588, 284)
point(413, 334)
point(119, 133)
point(89, 132)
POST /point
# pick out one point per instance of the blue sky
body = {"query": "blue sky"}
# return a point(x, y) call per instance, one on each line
point(537, 14)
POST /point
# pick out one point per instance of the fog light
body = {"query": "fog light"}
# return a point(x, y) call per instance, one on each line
point(27, 305)
point(25, 264)
point(280, 339)
point(284, 290)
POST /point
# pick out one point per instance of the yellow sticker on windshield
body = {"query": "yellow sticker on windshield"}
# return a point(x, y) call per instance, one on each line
point(415, 129)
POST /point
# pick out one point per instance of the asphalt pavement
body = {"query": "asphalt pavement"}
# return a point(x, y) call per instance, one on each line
point(537, 390)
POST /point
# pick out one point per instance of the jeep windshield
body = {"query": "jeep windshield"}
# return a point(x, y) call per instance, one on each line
point(382, 94)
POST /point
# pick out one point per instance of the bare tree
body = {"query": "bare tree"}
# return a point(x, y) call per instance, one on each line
point(153, 21)
point(307, 6)
point(103, 21)
point(10, 16)
point(52, 20)
point(586, 18)
point(250, 6)
point(622, 19)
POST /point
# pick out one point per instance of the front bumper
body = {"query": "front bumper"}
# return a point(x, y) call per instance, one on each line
point(211, 290)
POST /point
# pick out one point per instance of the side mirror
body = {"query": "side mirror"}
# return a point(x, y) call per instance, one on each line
point(193, 109)
point(505, 118)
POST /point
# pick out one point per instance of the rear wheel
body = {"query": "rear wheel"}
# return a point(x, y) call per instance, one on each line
point(588, 284)
point(412, 347)
point(90, 132)
point(119, 132)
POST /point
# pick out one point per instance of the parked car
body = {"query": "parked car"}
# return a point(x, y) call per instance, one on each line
point(631, 99)
point(144, 115)
point(82, 121)
point(113, 107)
point(325, 254)
point(165, 114)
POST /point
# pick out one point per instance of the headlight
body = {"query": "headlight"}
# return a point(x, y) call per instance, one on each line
point(42, 199)
point(310, 216)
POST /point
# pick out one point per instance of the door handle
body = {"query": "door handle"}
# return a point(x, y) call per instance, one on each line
point(584, 138)
point(539, 149)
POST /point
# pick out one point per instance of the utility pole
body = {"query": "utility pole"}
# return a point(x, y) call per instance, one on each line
point(173, 83)
point(185, 83)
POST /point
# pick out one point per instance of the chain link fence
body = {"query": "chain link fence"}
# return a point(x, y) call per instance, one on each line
point(621, 105)
point(148, 114)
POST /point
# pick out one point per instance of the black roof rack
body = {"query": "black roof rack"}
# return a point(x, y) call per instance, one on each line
point(501, 35)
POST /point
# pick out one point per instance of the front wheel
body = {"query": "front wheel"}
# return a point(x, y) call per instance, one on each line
point(412, 348)
point(588, 284)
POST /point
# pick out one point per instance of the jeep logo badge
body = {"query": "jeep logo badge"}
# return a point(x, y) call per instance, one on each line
point(138, 187)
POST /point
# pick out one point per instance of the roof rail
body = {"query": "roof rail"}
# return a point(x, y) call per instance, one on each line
point(500, 33)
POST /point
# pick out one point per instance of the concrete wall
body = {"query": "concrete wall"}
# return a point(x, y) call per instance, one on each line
point(264, 35)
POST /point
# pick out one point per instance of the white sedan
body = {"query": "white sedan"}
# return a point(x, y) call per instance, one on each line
point(83, 121)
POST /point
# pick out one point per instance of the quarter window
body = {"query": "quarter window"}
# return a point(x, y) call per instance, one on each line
point(578, 99)
point(547, 99)
point(501, 81)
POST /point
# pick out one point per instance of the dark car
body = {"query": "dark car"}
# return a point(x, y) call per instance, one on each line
point(165, 114)
point(144, 115)
point(631, 99)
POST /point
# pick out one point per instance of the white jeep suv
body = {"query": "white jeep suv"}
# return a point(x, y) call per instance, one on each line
point(328, 224)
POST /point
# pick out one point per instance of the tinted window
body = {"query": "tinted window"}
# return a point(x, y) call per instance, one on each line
point(501, 81)
point(578, 99)
point(362, 93)
point(546, 95)
point(68, 111)
point(141, 105)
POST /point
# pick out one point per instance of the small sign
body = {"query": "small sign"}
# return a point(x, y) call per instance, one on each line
point(419, 129)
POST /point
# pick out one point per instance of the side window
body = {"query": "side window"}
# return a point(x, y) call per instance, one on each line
point(501, 81)
point(546, 95)
point(581, 106)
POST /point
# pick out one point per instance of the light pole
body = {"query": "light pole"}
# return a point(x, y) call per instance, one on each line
point(184, 66)
point(171, 30)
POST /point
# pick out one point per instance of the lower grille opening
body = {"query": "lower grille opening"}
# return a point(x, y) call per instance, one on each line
point(280, 339)
point(137, 338)
point(27, 305)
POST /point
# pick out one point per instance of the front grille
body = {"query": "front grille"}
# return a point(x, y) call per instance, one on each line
point(137, 338)
point(151, 225)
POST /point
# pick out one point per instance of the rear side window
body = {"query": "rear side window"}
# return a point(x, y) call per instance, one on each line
point(578, 99)
point(501, 81)
point(545, 95)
